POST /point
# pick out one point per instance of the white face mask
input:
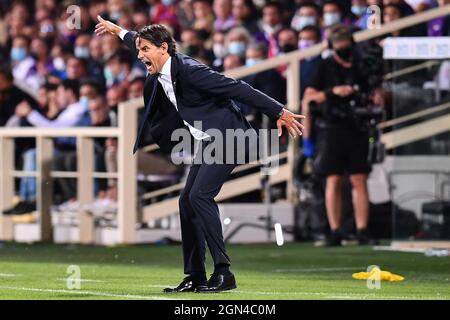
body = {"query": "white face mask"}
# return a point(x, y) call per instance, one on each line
point(219, 50)
point(59, 64)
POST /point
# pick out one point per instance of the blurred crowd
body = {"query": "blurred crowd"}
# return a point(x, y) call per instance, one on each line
point(54, 72)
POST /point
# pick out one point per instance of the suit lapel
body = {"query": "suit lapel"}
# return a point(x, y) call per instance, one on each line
point(151, 87)
point(174, 68)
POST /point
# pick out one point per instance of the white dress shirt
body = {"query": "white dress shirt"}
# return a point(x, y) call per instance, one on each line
point(165, 79)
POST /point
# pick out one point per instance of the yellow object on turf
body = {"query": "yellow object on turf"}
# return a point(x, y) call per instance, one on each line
point(377, 274)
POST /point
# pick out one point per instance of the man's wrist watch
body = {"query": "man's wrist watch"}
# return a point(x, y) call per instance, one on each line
point(279, 114)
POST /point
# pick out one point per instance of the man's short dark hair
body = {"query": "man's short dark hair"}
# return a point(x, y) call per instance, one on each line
point(72, 85)
point(274, 4)
point(49, 86)
point(157, 34)
point(6, 72)
point(336, 3)
point(340, 32)
point(313, 5)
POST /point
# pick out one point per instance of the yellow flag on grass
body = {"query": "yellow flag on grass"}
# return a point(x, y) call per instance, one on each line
point(377, 274)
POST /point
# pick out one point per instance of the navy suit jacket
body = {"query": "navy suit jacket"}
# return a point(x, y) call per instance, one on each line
point(202, 95)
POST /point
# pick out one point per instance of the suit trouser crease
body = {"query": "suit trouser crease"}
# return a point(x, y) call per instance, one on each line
point(199, 216)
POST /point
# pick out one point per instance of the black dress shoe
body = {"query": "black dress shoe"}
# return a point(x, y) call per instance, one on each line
point(218, 283)
point(334, 239)
point(189, 284)
point(22, 207)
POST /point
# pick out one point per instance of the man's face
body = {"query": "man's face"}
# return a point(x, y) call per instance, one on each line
point(391, 14)
point(87, 90)
point(95, 48)
point(5, 84)
point(240, 10)
point(62, 97)
point(222, 8)
point(287, 37)
point(152, 56)
point(82, 41)
point(189, 37)
point(308, 12)
point(98, 111)
point(231, 62)
point(252, 53)
point(135, 89)
point(271, 16)
point(75, 69)
point(308, 36)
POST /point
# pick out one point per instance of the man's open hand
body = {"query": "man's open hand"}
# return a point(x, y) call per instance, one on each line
point(289, 120)
point(105, 26)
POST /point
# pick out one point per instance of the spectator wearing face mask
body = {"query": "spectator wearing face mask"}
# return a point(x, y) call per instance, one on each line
point(307, 15)
point(270, 25)
point(333, 14)
point(82, 50)
point(47, 29)
point(269, 81)
point(236, 41)
point(308, 37)
point(360, 13)
point(117, 68)
point(219, 50)
point(24, 65)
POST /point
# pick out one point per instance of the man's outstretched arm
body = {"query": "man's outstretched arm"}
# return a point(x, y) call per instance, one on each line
point(208, 80)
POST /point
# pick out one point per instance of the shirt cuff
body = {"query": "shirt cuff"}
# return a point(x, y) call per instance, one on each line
point(122, 33)
point(33, 117)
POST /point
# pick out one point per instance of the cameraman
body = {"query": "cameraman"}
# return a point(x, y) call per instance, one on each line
point(342, 143)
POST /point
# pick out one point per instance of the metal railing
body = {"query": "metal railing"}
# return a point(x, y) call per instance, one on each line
point(127, 164)
point(85, 174)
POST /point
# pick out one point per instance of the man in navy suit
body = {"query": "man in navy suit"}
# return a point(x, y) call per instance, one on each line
point(180, 92)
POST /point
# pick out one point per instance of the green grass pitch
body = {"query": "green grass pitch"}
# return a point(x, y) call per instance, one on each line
point(294, 271)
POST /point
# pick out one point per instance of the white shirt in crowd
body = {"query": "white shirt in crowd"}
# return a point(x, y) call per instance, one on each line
point(71, 115)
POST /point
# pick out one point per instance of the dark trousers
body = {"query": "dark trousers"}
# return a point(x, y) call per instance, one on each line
point(199, 216)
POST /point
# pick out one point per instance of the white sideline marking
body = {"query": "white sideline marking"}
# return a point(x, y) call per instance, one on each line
point(327, 295)
point(100, 294)
point(158, 286)
point(320, 269)
point(8, 275)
